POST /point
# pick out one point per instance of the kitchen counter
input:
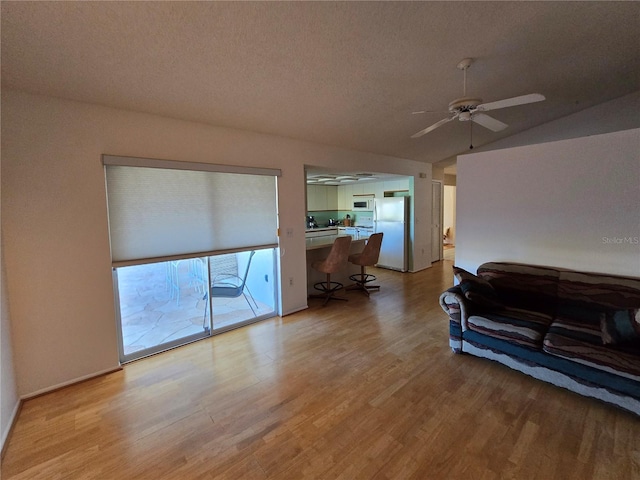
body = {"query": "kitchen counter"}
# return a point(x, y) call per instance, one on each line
point(315, 243)
point(320, 232)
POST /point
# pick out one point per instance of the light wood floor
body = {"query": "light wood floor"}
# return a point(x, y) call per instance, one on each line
point(365, 389)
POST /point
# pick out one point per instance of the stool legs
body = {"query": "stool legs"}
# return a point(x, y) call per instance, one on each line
point(362, 281)
point(328, 289)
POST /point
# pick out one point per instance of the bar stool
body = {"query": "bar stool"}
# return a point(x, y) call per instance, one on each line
point(336, 260)
point(368, 257)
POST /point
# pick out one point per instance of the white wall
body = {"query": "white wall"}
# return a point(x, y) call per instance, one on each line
point(572, 203)
point(55, 222)
point(9, 400)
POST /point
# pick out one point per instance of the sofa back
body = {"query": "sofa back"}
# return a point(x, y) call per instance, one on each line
point(599, 290)
point(524, 286)
point(542, 288)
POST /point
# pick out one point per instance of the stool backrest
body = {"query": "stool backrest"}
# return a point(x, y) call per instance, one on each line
point(338, 254)
point(371, 251)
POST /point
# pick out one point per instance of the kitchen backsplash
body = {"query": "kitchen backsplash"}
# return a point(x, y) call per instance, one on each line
point(322, 217)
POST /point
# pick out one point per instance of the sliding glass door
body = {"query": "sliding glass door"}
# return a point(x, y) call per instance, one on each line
point(166, 304)
point(242, 288)
point(161, 305)
point(192, 249)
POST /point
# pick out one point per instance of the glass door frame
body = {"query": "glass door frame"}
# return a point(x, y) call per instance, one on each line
point(208, 320)
point(129, 357)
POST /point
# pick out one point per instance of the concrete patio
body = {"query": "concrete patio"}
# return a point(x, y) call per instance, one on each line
point(153, 311)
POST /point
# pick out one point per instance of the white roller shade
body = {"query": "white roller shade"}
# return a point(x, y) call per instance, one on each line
point(168, 213)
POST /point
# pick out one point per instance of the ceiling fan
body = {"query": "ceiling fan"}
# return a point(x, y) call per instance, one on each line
point(471, 109)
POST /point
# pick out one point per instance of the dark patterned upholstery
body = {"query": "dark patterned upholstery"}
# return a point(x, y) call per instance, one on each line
point(572, 329)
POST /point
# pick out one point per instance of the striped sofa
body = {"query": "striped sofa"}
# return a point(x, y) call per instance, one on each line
point(553, 324)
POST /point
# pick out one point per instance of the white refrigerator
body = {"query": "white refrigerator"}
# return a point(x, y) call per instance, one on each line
point(391, 217)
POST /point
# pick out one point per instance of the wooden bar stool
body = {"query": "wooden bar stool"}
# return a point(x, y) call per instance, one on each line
point(368, 257)
point(336, 260)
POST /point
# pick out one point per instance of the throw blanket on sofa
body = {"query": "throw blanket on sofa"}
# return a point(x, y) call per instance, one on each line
point(577, 330)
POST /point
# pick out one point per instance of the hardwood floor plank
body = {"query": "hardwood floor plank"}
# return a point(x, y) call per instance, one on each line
point(365, 389)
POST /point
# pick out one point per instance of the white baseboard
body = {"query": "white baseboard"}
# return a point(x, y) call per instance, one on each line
point(294, 310)
point(12, 422)
point(70, 382)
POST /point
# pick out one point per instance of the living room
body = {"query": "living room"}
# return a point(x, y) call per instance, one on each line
point(57, 301)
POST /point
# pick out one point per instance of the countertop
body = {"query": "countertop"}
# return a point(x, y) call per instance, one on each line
point(327, 241)
point(320, 229)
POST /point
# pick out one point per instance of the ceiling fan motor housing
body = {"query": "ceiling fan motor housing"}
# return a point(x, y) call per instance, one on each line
point(464, 104)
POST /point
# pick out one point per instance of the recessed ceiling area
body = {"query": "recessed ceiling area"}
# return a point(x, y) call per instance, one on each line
point(324, 176)
point(344, 74)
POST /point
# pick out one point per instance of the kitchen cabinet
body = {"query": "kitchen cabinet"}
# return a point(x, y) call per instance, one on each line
point(357, 189)
point(312, 198)
point(322, 197)
point(378, 189)
point(344, 197)
point(343, 204)
point(400, 184)
point(346, 192)
point(348, 189)
point(332, 197)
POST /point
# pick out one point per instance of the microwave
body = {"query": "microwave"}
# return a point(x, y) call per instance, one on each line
point(362, 204)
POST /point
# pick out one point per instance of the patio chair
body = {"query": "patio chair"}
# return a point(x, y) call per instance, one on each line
point(230, 285)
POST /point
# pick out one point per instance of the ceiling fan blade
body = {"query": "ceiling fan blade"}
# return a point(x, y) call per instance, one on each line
point(488, 122)
point(511, 102)
point(433, 127)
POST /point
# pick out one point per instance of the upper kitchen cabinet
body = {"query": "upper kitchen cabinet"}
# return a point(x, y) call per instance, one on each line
point(344, 197)
point(398, 185)
point(322, 197)
point(368, 188)
point(343, 203)
point(332, 198)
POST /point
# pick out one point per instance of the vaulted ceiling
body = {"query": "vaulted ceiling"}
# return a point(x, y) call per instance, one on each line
point(347, 74)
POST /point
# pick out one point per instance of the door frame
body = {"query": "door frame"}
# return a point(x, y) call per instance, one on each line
point(437, 186)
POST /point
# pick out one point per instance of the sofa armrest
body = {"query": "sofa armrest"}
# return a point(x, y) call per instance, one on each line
point(456, 305)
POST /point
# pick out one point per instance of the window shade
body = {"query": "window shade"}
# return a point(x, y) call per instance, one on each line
point(167, 213)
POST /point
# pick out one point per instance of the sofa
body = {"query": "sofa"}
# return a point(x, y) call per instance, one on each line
point(576, 330)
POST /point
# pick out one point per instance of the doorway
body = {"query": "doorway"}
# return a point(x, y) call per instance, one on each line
point(436, 220)
point(449, 222)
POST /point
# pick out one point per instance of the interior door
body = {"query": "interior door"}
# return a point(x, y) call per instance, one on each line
point(436, 220)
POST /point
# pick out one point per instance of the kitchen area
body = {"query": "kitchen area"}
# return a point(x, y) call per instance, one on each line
point(357, 205)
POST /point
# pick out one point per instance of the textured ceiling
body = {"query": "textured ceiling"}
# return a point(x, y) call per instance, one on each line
point(347, 74)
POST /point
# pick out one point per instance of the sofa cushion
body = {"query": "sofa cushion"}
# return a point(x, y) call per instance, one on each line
point(585, 328)
point(581, 341)
point(476, 289)
point(620, 327)
point(523, 327)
